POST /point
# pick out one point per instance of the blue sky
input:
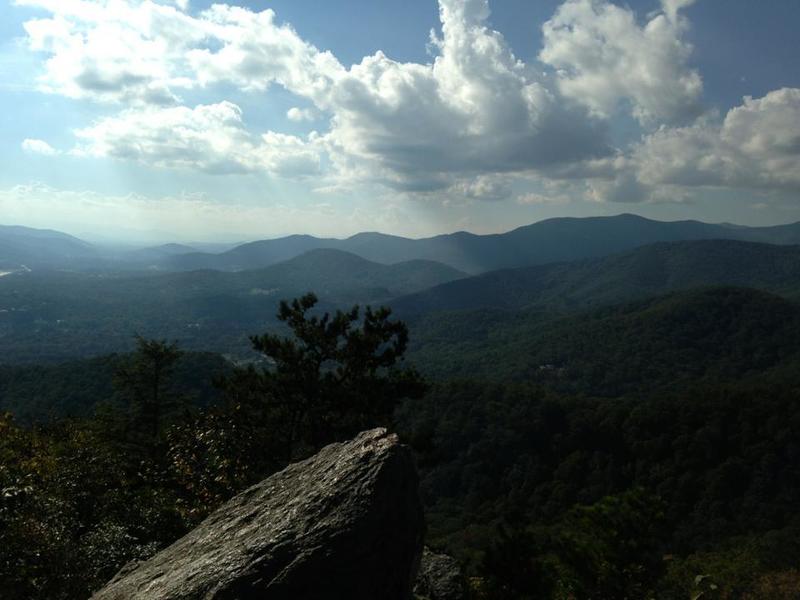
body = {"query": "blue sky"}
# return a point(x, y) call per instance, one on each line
point(138, 120)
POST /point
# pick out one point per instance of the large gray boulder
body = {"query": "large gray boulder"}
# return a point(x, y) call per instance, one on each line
point(346, 523)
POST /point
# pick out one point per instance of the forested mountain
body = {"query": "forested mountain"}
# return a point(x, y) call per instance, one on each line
point(552, 240)
point(36, 247)
point(709, 334)
point(643, 272)
point(56, 315)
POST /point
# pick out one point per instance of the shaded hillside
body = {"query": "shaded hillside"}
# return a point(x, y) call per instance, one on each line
point(552, 240)
point(52, 316)
point(646, 271)
point(709, 334)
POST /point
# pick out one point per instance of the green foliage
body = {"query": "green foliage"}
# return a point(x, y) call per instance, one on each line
point(711, 334)
point(722, 459)
point(214, 454)
point(73, 511)
point(337, 375)
point(143, 384)
point(746, 566)
point(47, 393)
point(610, 550)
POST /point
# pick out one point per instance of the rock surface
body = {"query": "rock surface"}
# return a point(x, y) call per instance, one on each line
point(440, 578)
point(344, 524)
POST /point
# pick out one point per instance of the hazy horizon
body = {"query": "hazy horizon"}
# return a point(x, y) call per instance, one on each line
point(222, 242)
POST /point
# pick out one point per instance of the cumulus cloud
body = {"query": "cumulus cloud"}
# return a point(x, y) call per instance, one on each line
point(475, 110)
point(130, 51)
point(461, 125)
point(300, 114)
point(255, 52)
point(209, 138)
point(38, 147)
point(605, 60)
point(114, 51)
point(757, 145)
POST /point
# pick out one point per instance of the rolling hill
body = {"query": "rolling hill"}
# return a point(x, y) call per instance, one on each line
point(708, 334)
point(54, 315)
point(646, 271)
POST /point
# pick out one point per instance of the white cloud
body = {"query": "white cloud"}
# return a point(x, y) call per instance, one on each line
point(606, 60)
point(300, 114)
point(756, 146)
point(38, 147)
point(288, 155)
point(460, 125)
point(475, 110)
point(534, 198)
point(255, 52)
point(484, 187)
point(209, 138)
point(114, 50)
point(672, 7)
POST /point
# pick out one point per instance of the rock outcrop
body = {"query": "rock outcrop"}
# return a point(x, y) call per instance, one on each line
point(440, 578)
point(344, 524)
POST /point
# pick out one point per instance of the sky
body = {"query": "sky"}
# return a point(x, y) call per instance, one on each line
point(184, 120)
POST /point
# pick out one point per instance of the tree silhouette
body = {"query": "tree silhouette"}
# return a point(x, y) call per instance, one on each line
point(338, 374)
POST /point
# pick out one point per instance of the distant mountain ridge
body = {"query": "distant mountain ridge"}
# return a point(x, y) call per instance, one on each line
point(646, 271)
point(552, 240)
